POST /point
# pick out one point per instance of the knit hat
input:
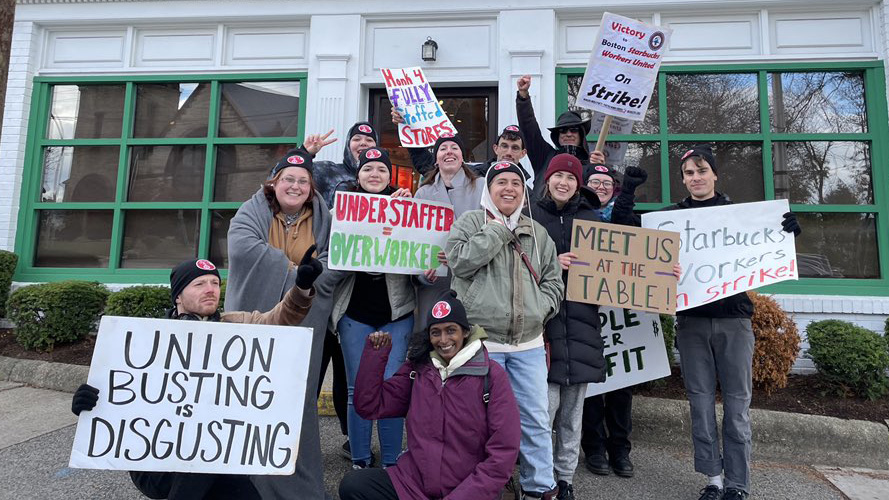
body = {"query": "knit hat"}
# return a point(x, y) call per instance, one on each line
point(452, 138)
point(364, 128)
point(186, 272)
point(704, 151)
point(503, 167)
point(564, 162)
point(598, 168)
point(448, 309)
point(294, 158)
point(512, 129)
point(375, 154)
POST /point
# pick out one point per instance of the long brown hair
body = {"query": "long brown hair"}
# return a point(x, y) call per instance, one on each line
point(268, 188)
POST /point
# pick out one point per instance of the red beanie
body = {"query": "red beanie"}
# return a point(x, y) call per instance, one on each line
point(564, 162)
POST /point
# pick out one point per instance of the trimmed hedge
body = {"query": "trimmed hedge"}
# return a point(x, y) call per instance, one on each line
point(668, 325)
point(139, 302)
point(776, 346)
point(51, 313)
point(852, 359)
point(8, 261)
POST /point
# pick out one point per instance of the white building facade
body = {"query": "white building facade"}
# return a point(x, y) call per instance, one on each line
point(134, 129)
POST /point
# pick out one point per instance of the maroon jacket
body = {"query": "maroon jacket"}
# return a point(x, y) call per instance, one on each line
point(458, 447)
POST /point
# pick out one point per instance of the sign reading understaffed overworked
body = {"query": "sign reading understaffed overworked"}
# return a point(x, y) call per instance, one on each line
point(411, 96)
point(623, 67)
point(623, 266)
point(634, 349)
point(728, 249)
point(378, 233)
point(194, 396)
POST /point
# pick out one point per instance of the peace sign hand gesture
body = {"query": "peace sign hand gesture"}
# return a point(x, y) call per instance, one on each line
point(315, 142)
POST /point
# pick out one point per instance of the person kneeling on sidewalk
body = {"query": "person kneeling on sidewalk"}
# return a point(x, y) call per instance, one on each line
point(194, 288)
point(462, 418)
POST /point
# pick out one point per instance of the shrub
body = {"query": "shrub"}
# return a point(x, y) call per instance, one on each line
point(668, 326)
point(852, 359)
point(8, 260)
point(222, 295)
point(776, 346)
point(51, 313)
point(139, 302)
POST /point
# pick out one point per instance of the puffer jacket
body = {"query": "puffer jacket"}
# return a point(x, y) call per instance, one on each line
point(495, 285)
point(331, 177)
point(458, 447)
point(575, 333)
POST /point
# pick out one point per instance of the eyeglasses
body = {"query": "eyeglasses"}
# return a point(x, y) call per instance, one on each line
point(293, 180)
point(570, 130)
point(594, 183)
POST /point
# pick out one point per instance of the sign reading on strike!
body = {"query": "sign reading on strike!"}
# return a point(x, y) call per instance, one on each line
point(623, 67)
point(378, 233)
point(194, 396)
point(411, 95)
point(623, 266)
point(728, 249)
point(634, 349)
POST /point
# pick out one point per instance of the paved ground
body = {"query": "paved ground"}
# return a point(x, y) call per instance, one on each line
point(38, 430)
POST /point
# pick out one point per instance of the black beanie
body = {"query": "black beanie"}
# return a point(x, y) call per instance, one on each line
point(448, 309)
point(502, 167)
point(294, 158)
point(185, 272)
point(364, 128)
point(375, 154)
point(598, 168)
point(512, 129)
point(453, 138)
point(705, 151)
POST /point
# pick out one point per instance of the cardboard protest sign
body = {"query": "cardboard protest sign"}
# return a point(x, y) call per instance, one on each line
point(378, 233)
point(412, 96)
point(623, 67)
point(623, 266)
point(634, 349)
point(728, 249)
point(194, 396)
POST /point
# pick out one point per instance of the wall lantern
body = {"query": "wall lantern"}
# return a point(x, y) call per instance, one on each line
point(429, 49)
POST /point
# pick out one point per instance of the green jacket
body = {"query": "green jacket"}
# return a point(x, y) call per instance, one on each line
point(495, 285)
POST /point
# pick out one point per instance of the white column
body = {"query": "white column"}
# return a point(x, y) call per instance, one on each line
point(333, 85)
point(527, 46)
point(23, 62)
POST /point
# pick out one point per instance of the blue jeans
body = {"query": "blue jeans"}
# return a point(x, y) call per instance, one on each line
point(527, 375)
point(352, 338)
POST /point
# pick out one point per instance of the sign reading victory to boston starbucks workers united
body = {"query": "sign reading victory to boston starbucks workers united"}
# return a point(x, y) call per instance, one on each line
point(411, 96)
point(623, 67)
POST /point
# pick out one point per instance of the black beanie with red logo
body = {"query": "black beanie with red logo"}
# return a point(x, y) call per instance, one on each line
point(186, 272)
point(294, 158)
point(375, 154)
point(448, 309)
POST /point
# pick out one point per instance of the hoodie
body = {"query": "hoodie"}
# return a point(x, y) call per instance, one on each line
point(331, 177)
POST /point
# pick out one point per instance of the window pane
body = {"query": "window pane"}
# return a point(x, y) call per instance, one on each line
point(649, 125)
point(158, 239)
point(241, 169)
point(644, 155)
point(259, 109)
point(73, 238)
point(166, 173)
point(738, 170)
point(824, 172)
point(82, 173)
point(712, 104)
point(86, 112)
point(219, 222)
point(817, 102)
point(838, 245)
point(172, 109)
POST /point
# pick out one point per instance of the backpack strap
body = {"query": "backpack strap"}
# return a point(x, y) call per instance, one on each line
point(486, 396)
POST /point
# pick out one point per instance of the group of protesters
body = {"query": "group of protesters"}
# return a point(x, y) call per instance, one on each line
point(486, 366)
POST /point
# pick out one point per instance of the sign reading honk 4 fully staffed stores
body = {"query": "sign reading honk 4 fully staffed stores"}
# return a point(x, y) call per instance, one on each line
point(623, 67)
point(378, 233)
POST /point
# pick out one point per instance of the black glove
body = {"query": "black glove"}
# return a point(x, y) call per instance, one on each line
point(85, 399)
point(791, 225)
point(633, 177)
point(309, 269)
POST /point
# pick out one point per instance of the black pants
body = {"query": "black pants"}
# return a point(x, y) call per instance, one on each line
point(367, 484)
point(607, 423)
point(332, 352)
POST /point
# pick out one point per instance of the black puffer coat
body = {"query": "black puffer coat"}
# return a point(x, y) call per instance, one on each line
point(575, 333)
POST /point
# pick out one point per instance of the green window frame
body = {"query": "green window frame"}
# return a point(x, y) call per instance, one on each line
point(877, 135)
point(31, 205)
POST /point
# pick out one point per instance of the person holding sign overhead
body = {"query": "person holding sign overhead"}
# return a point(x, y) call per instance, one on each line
point(194, 293)
point(369, 302)
point(463, 423)
point(506, 271)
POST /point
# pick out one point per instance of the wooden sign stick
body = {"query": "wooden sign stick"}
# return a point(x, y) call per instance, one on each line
point(603, 134)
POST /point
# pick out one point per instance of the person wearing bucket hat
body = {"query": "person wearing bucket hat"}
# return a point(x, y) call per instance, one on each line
point(194, 286)
point(504, 261)
point(448, 382)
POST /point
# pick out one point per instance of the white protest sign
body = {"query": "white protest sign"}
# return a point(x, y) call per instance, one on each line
point(614, 152)
point(634, 349)
point(194, 396)
point(378, 233)
point(728, 249)
point(623, 67)
point(411, 95)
